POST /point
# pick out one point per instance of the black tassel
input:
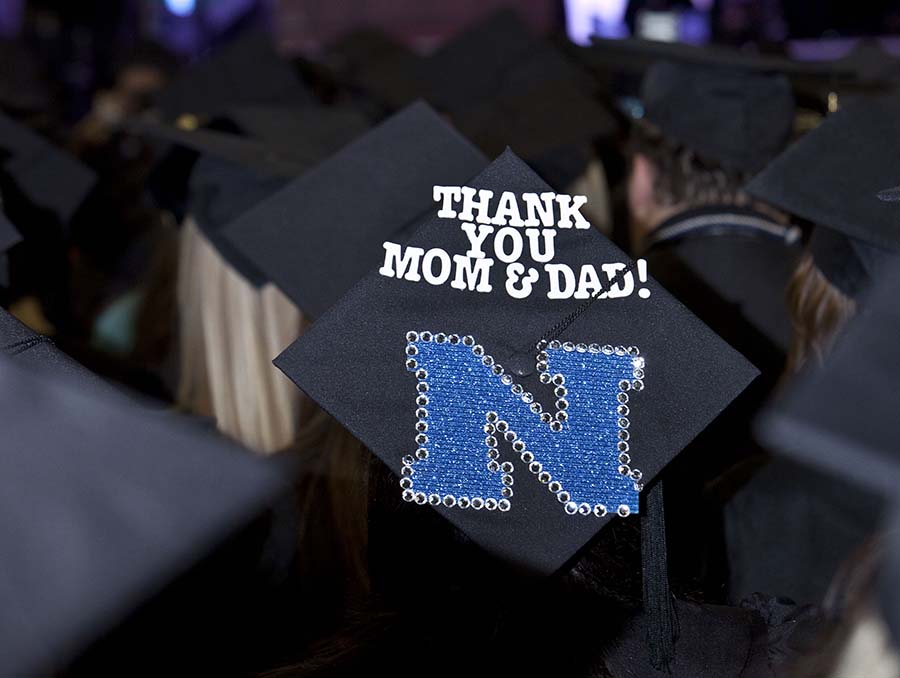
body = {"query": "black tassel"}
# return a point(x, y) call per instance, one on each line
point(662, 622)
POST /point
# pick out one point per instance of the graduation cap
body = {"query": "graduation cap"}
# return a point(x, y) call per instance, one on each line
point(434, 363)
point(48, 176)
point(321, 233)
point(245, 71)
point(738, 118)
point(103, 503)
point(829, 177)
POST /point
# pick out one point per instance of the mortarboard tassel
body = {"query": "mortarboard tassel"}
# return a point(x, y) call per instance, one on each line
point(662, 621)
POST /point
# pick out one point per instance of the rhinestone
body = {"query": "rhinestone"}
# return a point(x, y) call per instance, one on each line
point(493, 466)
point(623, 422)
point(422, 387)
point(491, 417)
point(546, 417)
point(440, 338)
point(421, 453)
point(507, 480)
point(581, 348)
point(489, 428)
point(561, 391)
point(511, 436)
point(425, 336)
point(562, 416)
point(527, 397)
point(623, 410)
point(563, 496)
point(411, 364)
point(421, 374)
point(518, 389)
point(406, 483)
point(453, 338)
point(638, 487)
point(487, 361)
point(519, 446)
point(622, 446)
point(599, 510)
point(562, 404)
point(559, 379)
point(493, 453)
point(527, 457)
point(478, 350)
point(624, 435)
point(624, 385)
point(622, 397)
point(554, 486)
point(497, 370)
point(584, 509)
point(607, 349)
point(411, 350)
point(490, 441)
point(624, 511)
point(638, 374)
point(477, 503)
point(468, 340)
point(421, 426)
point(638, 363)
point(535, 467)
point(623, 470)
point(544, 477)
point(463, 502)
point(543, 355)
point(506, 379)
point(541, 345)
point(412, 336)
point(556, 426)
point(568, 346)
point(637, 385)
point(506, 491)
point(542, 366)
point(502, 426)
point(408, 495)
point(554, 344)
point(422, 413)
point(449, 501)
point(490, 503)
point(434, 499)
point(594, 348)
point(504, 505)
point(625, 458)
point(620, 350)
point(408, 460)
point(422, 400)
point(633, 350)
point(406, 471)
point(545, 378)
point(536, 408)
point(421, 439)
point(571, 508)
point(506, 467)
point(421, 498)
point(636, 474)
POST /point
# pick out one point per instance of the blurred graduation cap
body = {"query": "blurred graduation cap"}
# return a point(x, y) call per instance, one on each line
point(738, 118)
point(46, 175)
point(248, 70)
point(320, 234)
point(829, 177)
point(103, 504)
point(413, 370)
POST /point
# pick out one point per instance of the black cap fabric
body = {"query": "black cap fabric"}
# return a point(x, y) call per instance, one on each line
point(321, 233)
point(103, 503)
point(9, 236)
point(841, 417)
point(737, 118)
point(245, 71)
point(48, 176)
point(412, 370)
point(830, 177)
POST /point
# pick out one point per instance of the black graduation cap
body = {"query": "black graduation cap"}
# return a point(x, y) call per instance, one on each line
point(413, 370)
point(245, 71)
point(48, 176)
point(829, 177)
point(103, 503)
point(738, 118)
point(841, 417)
point(323, 231)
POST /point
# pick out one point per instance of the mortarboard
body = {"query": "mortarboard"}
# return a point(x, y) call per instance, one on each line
point(245, 71)
point(48, 176)
point(829, 178)
point(104, 503)
point(413, 370)
point(739, 119)
point(341, 211)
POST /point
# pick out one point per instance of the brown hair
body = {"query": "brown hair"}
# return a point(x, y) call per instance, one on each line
point(818, 311)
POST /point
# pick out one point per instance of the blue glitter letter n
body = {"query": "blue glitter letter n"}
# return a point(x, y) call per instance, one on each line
point(466, 406)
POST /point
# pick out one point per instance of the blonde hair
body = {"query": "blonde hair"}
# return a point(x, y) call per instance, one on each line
point(818, 311)
point(229, 333)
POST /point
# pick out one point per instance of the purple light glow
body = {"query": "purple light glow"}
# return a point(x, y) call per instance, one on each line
point(603, 18)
